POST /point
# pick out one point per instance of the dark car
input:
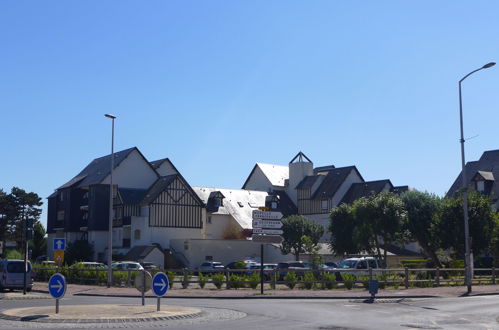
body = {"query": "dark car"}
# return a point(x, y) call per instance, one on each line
point(267, 270)
point(237, 266)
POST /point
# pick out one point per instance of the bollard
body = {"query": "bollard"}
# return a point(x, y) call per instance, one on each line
point(406, 277)
point(493, 275)
point(227, 285)
point(143, 287)
point(437, 277)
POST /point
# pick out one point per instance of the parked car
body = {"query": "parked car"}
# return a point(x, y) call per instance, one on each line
point(211, 265)
point(298, 267)
point(126, 265)
point(149, 265)
point(88, 265)
point(12, 275)
point(361, 265)
point(267, 270)
point(241, 264)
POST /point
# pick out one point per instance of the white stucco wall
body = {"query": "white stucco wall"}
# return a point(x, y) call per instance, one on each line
point(258, 181)
point(166, 169)
point(218, 226)
point(133, 172)
point(323, 220)
point(352, 177)
point(226, 251)
point(99, 241)
point(160, 235)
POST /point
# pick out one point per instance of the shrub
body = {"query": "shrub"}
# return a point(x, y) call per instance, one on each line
point(202, 280)
point(330, 281)
point(365, 281)
point(290, 278)
point(414, 263)
point(349, 280)
point(254, 280)
point(171, 278)
point(218, 280)
point(308, 279)
point(13, 254)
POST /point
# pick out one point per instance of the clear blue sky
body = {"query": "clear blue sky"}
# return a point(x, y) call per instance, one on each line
point(219, 85)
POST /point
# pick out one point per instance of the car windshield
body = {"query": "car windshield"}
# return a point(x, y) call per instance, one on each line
point(17, 267)
point(347, 264)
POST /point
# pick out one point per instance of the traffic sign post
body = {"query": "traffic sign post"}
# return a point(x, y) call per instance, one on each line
point(160, 286)
point(59, 244)
point(57, 288)
point(59, 256)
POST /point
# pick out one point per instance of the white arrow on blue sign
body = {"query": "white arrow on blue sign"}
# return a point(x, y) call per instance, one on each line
point(59, 244)
point(160, 284)
point(57, 286)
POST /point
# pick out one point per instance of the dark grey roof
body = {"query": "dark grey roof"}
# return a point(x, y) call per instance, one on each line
point(139, 252)
point(364, 189)
point(333, 181)
point(323, 168)
point(307, 182)
point(286, 205)
point(157, 188)
point(489, 162)
point(131, 196)
point(157, 163)
point(400, 189)
point(97, 170)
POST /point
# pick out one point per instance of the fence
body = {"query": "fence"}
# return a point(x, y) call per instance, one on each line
point(278, 278)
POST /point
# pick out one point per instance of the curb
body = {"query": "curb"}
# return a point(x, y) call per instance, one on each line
point(36, 318)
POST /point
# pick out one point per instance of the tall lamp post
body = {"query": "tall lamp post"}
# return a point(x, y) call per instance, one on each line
point(468, 260)
point(110, 230)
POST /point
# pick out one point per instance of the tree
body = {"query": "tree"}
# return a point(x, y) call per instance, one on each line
point(422, 221)
point(294, 228)
point(343, 231)
point(39, 243)
point(80, 250)
point(494, 244)
point(379, 219)
point(481, 224)
point(313, 250)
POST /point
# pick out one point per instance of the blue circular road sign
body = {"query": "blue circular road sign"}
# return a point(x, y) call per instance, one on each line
point(57, 286)
point(160, 284)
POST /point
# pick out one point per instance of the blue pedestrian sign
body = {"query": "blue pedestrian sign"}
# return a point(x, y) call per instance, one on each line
point(57, 286)
point(160, 284)
point(59, 244)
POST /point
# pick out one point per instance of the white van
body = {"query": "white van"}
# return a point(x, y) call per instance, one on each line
point(361, 266)
point(12, 275)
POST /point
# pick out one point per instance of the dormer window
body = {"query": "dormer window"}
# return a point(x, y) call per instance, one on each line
point(217, 202)
point(216, 199)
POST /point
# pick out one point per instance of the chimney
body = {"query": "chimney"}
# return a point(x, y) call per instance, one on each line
point(299, 167)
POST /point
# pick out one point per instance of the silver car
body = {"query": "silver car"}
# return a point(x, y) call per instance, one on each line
point(12, 275)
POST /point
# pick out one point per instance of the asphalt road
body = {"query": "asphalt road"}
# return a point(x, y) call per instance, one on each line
point(241, 314)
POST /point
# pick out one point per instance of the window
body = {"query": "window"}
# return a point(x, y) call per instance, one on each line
point(372, 263)
point(362, 264)
point(324, 204)
point(61, 196)
point(480, 185)
point(273, 205)
point(218, 202)
point(60, 215)
point(136, 234)
point(85, 216)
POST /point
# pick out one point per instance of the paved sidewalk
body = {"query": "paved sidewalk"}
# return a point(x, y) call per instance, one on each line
point(440, 292)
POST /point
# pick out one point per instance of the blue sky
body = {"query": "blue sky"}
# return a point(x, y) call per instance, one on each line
point(219, 85)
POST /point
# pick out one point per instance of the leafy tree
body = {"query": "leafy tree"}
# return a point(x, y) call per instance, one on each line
point(481, 224)
point(343, 229)
point(80, 250)
point(494, 245)
point(379, 219)
point(39, 243)
point(313, 250)
point(294, 228)
point(422, 221)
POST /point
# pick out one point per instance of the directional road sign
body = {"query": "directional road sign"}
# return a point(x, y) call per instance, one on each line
point(160, 284)
point(268, 215)
point(271, 224)
point(59, 244)
point(57, 286)
point(267, 231)
point(267, 239)
point(59, 256)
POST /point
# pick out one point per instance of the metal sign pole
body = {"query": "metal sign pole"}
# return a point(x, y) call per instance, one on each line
point(143, 287)
point(159, 304)
point(57, 306)
point(261, 269)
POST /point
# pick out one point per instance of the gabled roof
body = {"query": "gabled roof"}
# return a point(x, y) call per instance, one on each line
point(286, 205)
point(488, 162)
point(308, 182)
point(99, 169)
point(364, 189)
point(162, 183)
point(238, 203)
point(400, 189)
point(131, 196)
point(140, 252)
point(333, 181)
point(487, 176)
point(276, 174)
point(157, 163)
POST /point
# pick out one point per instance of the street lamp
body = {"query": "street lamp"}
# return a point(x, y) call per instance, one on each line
point(110, 230)
point(467, 258)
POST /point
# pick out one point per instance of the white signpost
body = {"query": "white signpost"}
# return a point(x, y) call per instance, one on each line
point(266, 229)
